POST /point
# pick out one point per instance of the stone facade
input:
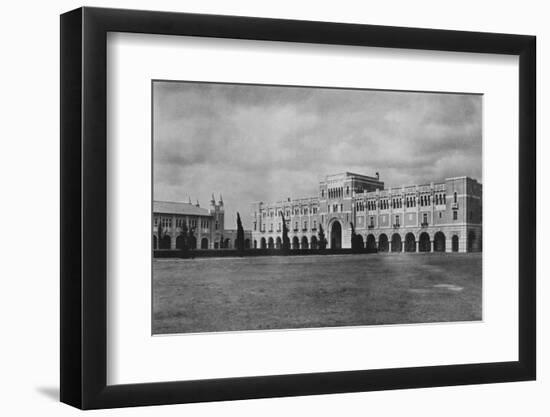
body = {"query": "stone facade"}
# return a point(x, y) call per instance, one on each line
point(208, 225)
point(444, 216)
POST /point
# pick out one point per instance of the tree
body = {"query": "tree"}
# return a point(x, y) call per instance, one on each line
point(183, 240)
point(354, 242)
point(322, 239)
point(191, 240)
point(286, 240)
point(240, 233)
point(160, 233)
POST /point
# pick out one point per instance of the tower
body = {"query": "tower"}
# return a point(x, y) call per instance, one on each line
point(221, 215)
point(212, 207)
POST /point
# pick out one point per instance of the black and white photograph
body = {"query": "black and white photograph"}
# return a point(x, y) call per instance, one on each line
point(281, 207)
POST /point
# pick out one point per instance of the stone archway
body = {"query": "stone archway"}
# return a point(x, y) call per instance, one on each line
point(305, 243)
point(439, 242)
point(165, 242)
point(204, 243)
point(263, 244)
point(424, 244)
point(314, 242)
point(454, 243)
point(336, 235)
point(396, 243)
point(295, 243)
point(410, 242)
point(371, 243)
point(278, 243)
point(270, 243)
point(383, 244)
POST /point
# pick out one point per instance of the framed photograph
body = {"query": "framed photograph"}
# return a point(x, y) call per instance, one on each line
point(258, 208)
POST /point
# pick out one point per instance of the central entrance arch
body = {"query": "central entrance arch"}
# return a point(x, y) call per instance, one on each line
point(336, 235)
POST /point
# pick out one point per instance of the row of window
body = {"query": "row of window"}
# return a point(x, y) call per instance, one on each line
point(296, 226)
point(296, 211)
point(334, 208)
point(410, 201)
point(166, 222)
point(337, 192)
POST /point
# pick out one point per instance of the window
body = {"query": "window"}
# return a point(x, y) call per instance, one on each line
point(156, 221)
point(296, 226)
point(323, 193)
point(254, 226)
point(454, 197)
point(347, 190)
point(439, 214)
point(314, 210)
point(314, 224)
point(425, 218)
point(305, 225)
point(372, 221)
point(455, 215)
point(397, 220)
point(217, 225)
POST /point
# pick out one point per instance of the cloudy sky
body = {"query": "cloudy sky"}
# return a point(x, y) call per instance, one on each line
point(264, 143)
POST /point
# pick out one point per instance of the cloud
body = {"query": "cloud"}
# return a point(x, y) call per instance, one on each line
point(264, 143)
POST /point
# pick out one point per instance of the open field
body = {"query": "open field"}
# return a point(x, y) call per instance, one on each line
point(207, 295)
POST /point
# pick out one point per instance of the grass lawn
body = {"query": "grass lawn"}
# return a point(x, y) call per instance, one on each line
point(223, 294)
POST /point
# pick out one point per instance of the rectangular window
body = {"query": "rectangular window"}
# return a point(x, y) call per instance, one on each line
point(455, 215)
point(397, 220)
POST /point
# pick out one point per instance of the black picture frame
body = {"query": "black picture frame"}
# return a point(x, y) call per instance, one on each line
point(84, 207)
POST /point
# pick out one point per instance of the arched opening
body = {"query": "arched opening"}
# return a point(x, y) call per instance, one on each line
point(383, 244)
point(455, 243)
point(278, 243)
point(336, 236)
point(439, 242)
point(247, 243)
point(235, 243)
point(314, 242)
point(295, 243)
point(305, 244)
point(255, 244)
point(227, 243)
point(471, 241)
point(262, 243)
point(396, 244)
point(270, 243)
point(165, 242)
point(154, 241)
point(180, 242)
point(424, 242)
point(410, 243)
point(360, 242)
point(204, 243)
point(371, 243)
point(192, 242)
